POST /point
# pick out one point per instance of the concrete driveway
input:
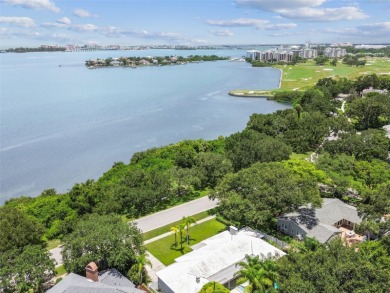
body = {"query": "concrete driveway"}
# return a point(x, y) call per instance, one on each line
point(176, 213)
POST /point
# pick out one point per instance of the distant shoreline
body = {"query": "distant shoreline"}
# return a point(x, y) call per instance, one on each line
point(257, 93)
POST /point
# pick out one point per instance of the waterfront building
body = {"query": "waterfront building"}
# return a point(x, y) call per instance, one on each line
point(276, 55)
point(335, 52)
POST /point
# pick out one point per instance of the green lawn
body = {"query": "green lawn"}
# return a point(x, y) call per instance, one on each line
point(164, 229)
point(295, 156)
point(304, 75)
point(166, 251)
point(53, 243)
point(60, 271)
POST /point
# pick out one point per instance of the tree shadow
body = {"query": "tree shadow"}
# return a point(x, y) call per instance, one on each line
point(307, 217)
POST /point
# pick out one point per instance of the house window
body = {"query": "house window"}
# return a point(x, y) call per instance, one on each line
point(292, 231)
point(297, 233)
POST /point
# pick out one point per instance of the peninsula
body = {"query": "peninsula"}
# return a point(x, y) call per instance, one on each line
point(134, 62)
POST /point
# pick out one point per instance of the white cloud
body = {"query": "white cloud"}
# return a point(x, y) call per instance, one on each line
point(222, 33)
point(83, 13)
point(380, 26)
point(83, 27)
point(324, 14)
point(72, 27)
point(33, 4)
point(305, 10)
point(250, 22)
point(238, 22)
point(19, 21)
point(280, 26)
point(64, 20)
point(274, 5)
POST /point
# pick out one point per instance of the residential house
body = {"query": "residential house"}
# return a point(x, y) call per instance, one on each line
point(372, 90)
point(335, 218)
point(109, 281)
point(214, 259)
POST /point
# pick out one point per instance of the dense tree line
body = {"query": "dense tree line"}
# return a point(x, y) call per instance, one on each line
point(370, 52)
point(39, 49)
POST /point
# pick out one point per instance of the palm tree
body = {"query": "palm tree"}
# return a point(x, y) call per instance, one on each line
point(141, 262)
point(181, 230)
point(261, 274)
point(175, 230)
point(187, 221)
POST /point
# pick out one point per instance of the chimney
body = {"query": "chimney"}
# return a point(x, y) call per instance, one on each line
point(233, 230)
point(91, 272)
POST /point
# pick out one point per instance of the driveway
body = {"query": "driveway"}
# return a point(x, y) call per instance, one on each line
point(176, 213)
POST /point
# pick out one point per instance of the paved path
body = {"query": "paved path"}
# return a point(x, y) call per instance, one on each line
point(156, 266)
point(176, 213)
point(56, 254)
point(159, 219)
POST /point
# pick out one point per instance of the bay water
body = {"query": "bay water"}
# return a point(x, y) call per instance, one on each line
point(61, 123)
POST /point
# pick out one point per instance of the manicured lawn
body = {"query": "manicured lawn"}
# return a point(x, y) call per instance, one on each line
point(166, 251)
point(304, 75)
point(164, 229)
point(295, 156)
point(60, 271)
point(53, 243)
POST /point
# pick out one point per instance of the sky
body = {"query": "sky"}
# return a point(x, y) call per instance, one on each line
point(31, 23)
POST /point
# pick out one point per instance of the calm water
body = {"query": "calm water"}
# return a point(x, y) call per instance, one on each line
point(62, 125)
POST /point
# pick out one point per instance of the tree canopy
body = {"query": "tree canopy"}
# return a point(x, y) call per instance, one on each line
point(254, 196)
point(25, 269)
point(106, 240)
point(18, 230)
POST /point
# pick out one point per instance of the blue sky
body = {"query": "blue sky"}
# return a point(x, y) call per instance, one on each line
point(192, 22)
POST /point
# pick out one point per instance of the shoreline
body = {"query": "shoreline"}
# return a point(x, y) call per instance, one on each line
point(257, 93)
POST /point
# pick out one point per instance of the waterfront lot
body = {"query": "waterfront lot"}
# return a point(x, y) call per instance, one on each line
point(166, 251)
point(304, 75)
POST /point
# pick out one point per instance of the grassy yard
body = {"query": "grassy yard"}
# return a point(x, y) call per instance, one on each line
point(60, 271)
point(304, 75)
point(53, 243)
point(166, 251)
point(295, 156)
point(164, 229)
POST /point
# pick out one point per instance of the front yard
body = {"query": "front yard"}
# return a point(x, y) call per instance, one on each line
point(166, 250)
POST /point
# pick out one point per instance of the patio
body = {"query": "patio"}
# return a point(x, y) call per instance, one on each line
point(349, 236)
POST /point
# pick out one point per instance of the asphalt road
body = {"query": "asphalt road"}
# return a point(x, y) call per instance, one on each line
point(176, 213)
point(160, 219)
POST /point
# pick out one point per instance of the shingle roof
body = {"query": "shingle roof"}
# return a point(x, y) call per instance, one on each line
point(317, 223)
point(110, 281)
point(322, 232)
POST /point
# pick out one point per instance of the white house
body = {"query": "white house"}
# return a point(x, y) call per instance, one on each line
point(214, 259)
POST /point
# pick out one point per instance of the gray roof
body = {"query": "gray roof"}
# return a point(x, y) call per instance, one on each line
point(318, 223)
point(110, 281)
point(322, 232)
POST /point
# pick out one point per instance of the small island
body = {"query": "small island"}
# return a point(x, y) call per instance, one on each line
point(135, 62)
